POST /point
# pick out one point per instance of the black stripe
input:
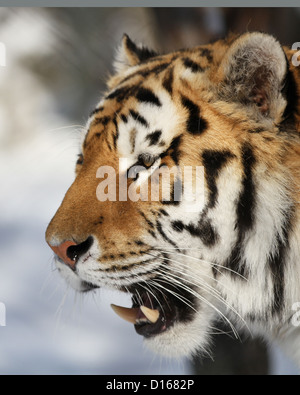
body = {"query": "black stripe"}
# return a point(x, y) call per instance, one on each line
point(118, 268)
point(246, 204)
point(163, 212)
point(139, 243)
point(235, 263)
point(204, 230)
point(213, 162)
point(143, 53)
point(121, 93)
point(154, 70)
point(289, 92)
point(116, 134)
point(244, 212)
point(152, 233)
point(96, 111)
point(178, 226)
point(207, 53)
point(195, 67)
point(147, 96)
point(168, 81)
point(256, 130)
point(173, 150)
point(139, 118)
point(154, 137)
point(115, 138)
point(276, 263)
point(102, 121)
point(145, 72)
point(109, 146)
point(124, 118)
point(150, 223)
point(165, 237)
point(195, 123)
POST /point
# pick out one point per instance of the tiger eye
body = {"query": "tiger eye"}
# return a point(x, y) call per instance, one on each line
point(149, 163)
point(147, 160)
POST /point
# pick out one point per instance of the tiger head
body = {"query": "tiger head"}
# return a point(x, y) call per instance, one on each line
point(208, 249)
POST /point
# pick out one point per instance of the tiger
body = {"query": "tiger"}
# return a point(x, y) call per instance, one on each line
point(230, 108)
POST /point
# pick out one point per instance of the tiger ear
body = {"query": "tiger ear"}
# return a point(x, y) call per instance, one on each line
point(131, 54)
point(253, 73)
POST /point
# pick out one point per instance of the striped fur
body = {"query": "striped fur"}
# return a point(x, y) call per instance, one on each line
point(233, 108)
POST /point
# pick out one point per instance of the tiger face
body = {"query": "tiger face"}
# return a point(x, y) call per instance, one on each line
point(229, 109)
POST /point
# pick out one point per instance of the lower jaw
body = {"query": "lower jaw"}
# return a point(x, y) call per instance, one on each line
point(150, 330)
point(163, 336)
point(167, 344)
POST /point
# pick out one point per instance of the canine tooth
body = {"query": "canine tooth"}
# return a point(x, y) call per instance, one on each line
point(128, 314)
point(151, 314)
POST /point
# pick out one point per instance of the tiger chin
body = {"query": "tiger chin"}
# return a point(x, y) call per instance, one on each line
point(232, 109)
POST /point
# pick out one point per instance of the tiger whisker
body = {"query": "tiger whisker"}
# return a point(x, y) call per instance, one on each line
point(78, 127)
point(180, 270)
point(203, 299)
point(210, 263)
point(203, 274)
point(209, 289)
point(219, 331)
point(163, 295)
point(212, 290)
point(178, 296)
point(150, 292)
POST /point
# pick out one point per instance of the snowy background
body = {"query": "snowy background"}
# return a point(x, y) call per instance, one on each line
point(54, 74)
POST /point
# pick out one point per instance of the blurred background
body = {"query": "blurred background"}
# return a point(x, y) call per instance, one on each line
point(57, 61)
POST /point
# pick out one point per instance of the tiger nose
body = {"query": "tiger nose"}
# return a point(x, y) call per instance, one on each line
point(69, 251)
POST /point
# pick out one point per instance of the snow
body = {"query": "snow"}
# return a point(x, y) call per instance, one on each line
point(50, 329)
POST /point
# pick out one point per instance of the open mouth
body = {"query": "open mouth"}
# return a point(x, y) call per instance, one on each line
point(154, 313)
point(157, 304)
